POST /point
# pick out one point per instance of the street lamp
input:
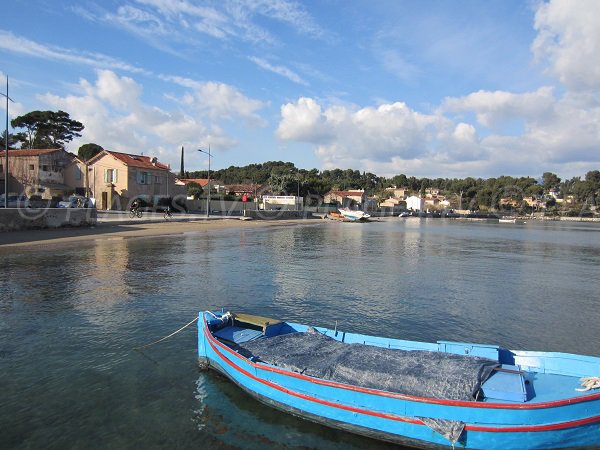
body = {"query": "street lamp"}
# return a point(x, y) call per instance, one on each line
point(208, 185)
point(6, 148)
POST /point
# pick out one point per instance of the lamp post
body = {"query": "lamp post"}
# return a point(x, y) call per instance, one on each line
point(6, 148)
point(208, 185)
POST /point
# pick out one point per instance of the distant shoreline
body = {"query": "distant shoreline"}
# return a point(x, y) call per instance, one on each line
point(107, 231)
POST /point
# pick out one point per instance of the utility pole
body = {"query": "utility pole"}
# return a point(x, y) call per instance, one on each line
point(208, 185)
point(6, 149)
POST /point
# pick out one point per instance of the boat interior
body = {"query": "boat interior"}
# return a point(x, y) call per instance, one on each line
point(520, 376)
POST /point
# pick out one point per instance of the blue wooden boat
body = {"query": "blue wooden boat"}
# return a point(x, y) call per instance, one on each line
point(460, 395)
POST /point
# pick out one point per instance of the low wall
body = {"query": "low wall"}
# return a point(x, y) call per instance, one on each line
point(276, 215)
point(15, 219)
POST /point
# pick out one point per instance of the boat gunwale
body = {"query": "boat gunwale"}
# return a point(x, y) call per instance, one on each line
point(381, 393)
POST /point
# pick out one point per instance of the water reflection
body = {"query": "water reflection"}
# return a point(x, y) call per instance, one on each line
point(70, 316)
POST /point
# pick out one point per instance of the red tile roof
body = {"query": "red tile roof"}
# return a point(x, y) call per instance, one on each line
point(141, 161)
point(201, 181)
point(29, 152)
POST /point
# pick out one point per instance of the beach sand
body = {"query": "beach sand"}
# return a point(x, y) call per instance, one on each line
point(107, 231)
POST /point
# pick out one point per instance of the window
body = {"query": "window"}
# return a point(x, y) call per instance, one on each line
point(110, 175)
point(143, 178)
point(31, 167)
point(1, 168)
point(77, 173)
point(45, 168)
point(157, 179)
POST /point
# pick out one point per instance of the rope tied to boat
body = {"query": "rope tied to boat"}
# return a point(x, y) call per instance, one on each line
point(166, 337)
point(589, 383)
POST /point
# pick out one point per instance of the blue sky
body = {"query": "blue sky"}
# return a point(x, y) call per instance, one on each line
point(420, 87)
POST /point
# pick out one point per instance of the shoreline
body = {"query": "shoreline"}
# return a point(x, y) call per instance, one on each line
point(108, 231)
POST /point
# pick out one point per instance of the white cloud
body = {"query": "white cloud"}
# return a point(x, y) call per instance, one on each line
point(342, 135)
point(493, 109)
point(17, 44)
point(116, 118)
point(568, 41)
point(219, 100)
point(279, 70)
point(303, 121)
point(162, 23)
point(393, 138)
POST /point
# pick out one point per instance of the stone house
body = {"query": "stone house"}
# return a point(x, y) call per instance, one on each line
point(115, 179)
point(37, 172)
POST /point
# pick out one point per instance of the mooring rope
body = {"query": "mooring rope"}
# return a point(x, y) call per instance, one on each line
point(589, 383)
point(166, 337)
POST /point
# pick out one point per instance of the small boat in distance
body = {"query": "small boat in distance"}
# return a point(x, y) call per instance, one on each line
point(353, 215)
point(431, 395)
point(404, 214)
point(511, 220)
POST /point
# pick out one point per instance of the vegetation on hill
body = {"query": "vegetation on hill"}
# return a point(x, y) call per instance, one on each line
point(475, 193)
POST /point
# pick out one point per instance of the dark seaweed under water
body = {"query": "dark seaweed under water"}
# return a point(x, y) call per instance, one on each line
point(71, 314)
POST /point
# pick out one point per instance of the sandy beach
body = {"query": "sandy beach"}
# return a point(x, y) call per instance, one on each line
point(109, 231)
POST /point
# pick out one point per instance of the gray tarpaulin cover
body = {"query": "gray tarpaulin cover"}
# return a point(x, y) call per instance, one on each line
point(415, 372)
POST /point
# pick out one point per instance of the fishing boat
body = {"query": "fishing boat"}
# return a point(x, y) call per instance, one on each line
point(428, 395)
point(353, 215)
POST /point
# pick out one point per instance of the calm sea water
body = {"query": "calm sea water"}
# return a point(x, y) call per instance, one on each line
point(71, 314)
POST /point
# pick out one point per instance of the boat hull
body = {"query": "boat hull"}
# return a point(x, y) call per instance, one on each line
point(397, 418)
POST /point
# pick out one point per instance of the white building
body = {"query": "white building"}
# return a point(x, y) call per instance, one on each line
point(415, 203)
point(281, 202)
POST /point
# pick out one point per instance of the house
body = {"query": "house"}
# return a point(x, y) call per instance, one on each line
point(37, 172)
point(115, 179)
point(215, 185)
point(415, 203)
point(75, 176)
point(554, 193)
point(534, 202)
point(394, 203)
point(346, 198)
point(510, 202)
point(399, 193)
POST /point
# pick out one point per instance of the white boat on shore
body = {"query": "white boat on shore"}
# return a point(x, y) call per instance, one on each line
point(353, 215)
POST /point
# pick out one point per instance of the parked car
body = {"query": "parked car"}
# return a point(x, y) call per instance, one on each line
point(15, 201)
point(75, 201)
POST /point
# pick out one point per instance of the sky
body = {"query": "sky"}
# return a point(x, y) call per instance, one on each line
point(427, 88)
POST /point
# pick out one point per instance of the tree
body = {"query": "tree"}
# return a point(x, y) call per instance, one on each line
point(46, 129)
point(88, 151)
point(194, 190)
point(181, 171)
point(12, 140)
point(550, 181)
